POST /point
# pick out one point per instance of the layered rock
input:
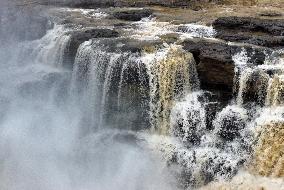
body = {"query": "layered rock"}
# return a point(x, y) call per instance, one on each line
point(258, 31)
point(270, 26)
point(78, 37)
point(215, 64)
point(132, 14)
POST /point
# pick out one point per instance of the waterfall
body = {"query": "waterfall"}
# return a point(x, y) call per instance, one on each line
point(172, 74)
point(253, 85)
point(262, 85)
point(269, 159)
point(132, 118)
point(258, 83)
point(101, 74)
point(275, 91)
point(188, 119)
point(58, 125)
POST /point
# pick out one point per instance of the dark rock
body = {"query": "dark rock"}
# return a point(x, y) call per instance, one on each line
point(126, 138)
point(271, 26)
point(80, 3)
point(130, 45)
point(78, 37)
point(133, 14)
point(194, 4)
point(211, 109)
point(270, 14)
point(215, 65)
point(257, 31)
point(260, 40)
point(256, 85)
point(228, 124)
point(85, 35)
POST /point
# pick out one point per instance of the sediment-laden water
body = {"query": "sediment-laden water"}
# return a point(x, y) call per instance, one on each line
point(114, 117)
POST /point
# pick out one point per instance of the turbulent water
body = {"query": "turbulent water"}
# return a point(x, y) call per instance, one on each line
point(49, 123)
point(131, 120)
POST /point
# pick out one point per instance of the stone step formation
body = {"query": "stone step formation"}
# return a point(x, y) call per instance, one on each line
point(184, 104)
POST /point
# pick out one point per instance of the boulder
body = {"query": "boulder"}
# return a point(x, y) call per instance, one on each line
point(192, 118)
point(132, 14)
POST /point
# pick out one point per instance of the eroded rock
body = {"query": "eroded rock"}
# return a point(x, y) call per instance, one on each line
point(215, 64)
point(133, 14)
point(271, 26)
point(78, 37)
point(257, 31)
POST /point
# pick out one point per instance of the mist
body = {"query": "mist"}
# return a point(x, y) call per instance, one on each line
point(42, 146)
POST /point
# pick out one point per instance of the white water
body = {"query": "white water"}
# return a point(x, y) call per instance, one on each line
point(42, 145)
point(54, 134)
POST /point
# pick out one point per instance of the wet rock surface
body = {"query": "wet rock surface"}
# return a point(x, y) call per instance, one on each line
point(256, 87)
point(260, 40)
point(109, 64)
point(257, 31)
point(132, 15)
point(78, 37)
point(270, 26)
point(215, 63)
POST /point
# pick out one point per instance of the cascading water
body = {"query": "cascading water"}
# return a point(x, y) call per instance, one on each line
point(100, 74)
point(261, 85)
point(172, 74)
point(131, 119)
point(275, 91)
point(49, 114)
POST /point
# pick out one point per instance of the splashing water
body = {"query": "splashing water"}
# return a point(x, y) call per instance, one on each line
point(188, 118)
point(77, 129)
point(171, 76)
point(196, 30)
point(42, 143)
